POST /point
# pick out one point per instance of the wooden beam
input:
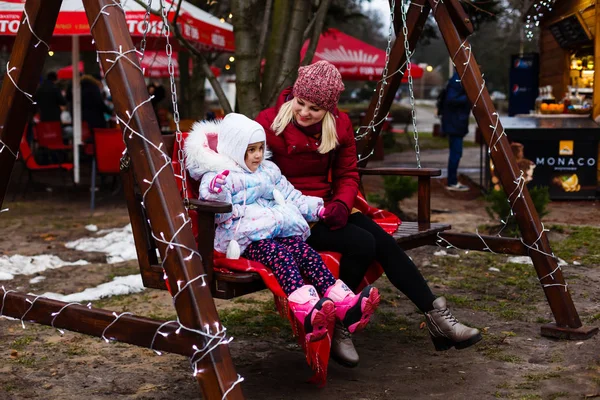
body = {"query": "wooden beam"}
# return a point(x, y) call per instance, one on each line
point(130, 329)
point(596, 110)
point(194, 303)
point(24, 68)
point(526, 215)
point(470, 241)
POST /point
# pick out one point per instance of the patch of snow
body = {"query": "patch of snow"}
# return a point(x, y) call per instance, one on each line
point(118, 286)
point(29, 265)
point(91, 228)
point(493, 269)
point(37, 279)
point(527, 260)
point(520, 260)
point(576, 263)
point(442, 253)
point(118, 244)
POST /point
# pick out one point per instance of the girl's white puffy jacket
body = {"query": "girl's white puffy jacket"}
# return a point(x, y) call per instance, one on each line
point(256, 214)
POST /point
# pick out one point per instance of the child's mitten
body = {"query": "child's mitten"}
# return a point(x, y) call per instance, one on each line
point(218, 181)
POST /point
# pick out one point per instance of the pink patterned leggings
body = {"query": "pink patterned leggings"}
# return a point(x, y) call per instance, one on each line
point(291, 259)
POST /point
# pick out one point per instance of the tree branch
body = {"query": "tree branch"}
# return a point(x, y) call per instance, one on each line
point(318, 21)
point(199, 56)
point(262, 44)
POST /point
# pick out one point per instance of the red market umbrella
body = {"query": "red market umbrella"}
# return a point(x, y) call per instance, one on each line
point(197, 26)
point(154, 64)
point(355, 59)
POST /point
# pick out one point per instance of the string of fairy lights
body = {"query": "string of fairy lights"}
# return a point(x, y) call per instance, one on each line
point(495, 137)
point(215, 335)
point(535, 15)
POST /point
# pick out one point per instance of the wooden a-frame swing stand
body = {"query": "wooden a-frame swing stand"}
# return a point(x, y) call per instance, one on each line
point(164, 208)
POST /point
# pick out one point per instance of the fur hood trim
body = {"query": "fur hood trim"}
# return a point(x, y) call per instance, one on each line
point(200, 150)
point(201, 154)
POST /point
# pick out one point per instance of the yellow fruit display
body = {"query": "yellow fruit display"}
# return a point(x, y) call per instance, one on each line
point(571, 184)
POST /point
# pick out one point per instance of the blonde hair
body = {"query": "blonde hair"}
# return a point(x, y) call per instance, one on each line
point(329, 139)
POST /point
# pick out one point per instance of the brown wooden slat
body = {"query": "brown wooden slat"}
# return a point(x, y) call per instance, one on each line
point(408, 231)
point(401, 171)
point(469, 241)
point(130, 329)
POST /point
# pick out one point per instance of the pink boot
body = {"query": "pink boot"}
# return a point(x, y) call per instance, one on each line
point(353, 310)
point(314, 314)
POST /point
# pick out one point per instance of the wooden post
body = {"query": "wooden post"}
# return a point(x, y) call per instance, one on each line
point(194, 304)
point(27, 62)
point(526, 215)
point(596, 98)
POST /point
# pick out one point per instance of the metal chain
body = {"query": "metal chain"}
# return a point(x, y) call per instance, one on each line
point(410, 85)
point(371, 126)
point(146, 30)
point(178, 134)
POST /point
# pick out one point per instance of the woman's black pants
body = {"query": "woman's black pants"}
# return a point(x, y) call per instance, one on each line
point(360, 242)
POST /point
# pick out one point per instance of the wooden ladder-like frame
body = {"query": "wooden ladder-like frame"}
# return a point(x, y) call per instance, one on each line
point(163, 206)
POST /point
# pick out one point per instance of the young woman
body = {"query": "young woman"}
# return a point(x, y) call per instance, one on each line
point(268, 224)
point(313, 145)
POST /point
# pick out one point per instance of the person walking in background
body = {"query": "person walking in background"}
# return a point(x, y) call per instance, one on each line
point(93, 106)
point(455, 112)
point(49, 99)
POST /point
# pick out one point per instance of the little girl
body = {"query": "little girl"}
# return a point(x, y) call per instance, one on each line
point(268, 223)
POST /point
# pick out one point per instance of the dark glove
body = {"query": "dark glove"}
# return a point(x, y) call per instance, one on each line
point(335, 215)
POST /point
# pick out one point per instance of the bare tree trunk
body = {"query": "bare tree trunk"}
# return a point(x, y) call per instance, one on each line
point(203, 63)
point(197, 93)
point(291, 56)
point(247, 57)
point(316, 28)
point(280, 23)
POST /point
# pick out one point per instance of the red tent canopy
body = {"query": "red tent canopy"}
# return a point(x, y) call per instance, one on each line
point(355, 59)
point(155, 65)
point(200, 28)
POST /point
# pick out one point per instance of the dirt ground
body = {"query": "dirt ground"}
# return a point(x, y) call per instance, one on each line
point(398, 360)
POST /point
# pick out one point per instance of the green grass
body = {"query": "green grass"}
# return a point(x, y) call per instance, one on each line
point(22, 342)
point(582, 244)
point(256, 321)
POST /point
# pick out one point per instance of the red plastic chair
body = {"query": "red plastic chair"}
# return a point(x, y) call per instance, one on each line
point(49, 135)
point(108, 148)
point(31, 165)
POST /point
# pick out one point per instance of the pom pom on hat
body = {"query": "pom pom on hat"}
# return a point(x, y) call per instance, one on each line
point(320, 83)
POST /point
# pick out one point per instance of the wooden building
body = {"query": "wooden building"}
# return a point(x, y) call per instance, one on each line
point(569, 47)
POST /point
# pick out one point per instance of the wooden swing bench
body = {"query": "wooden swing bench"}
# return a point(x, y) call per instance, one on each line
point(227, 284)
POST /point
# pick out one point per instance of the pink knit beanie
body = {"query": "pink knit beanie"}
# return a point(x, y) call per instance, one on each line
point(319, 83)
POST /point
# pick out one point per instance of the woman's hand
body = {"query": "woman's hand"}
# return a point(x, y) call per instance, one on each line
point(220, 180)
point(335, 215)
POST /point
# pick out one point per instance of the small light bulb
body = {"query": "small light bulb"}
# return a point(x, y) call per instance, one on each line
point(231, 59)
point(50, 53)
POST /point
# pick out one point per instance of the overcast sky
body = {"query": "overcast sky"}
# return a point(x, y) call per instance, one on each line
point(383, 8)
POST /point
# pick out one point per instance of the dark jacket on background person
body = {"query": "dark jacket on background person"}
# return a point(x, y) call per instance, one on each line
point(308, 170)
point(455, 109)
point(49, 99)
point(93, 107)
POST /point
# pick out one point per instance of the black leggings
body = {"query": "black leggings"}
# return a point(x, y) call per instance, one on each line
point(361, 241)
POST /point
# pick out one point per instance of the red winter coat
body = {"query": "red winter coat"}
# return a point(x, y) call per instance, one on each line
point(331, 176)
